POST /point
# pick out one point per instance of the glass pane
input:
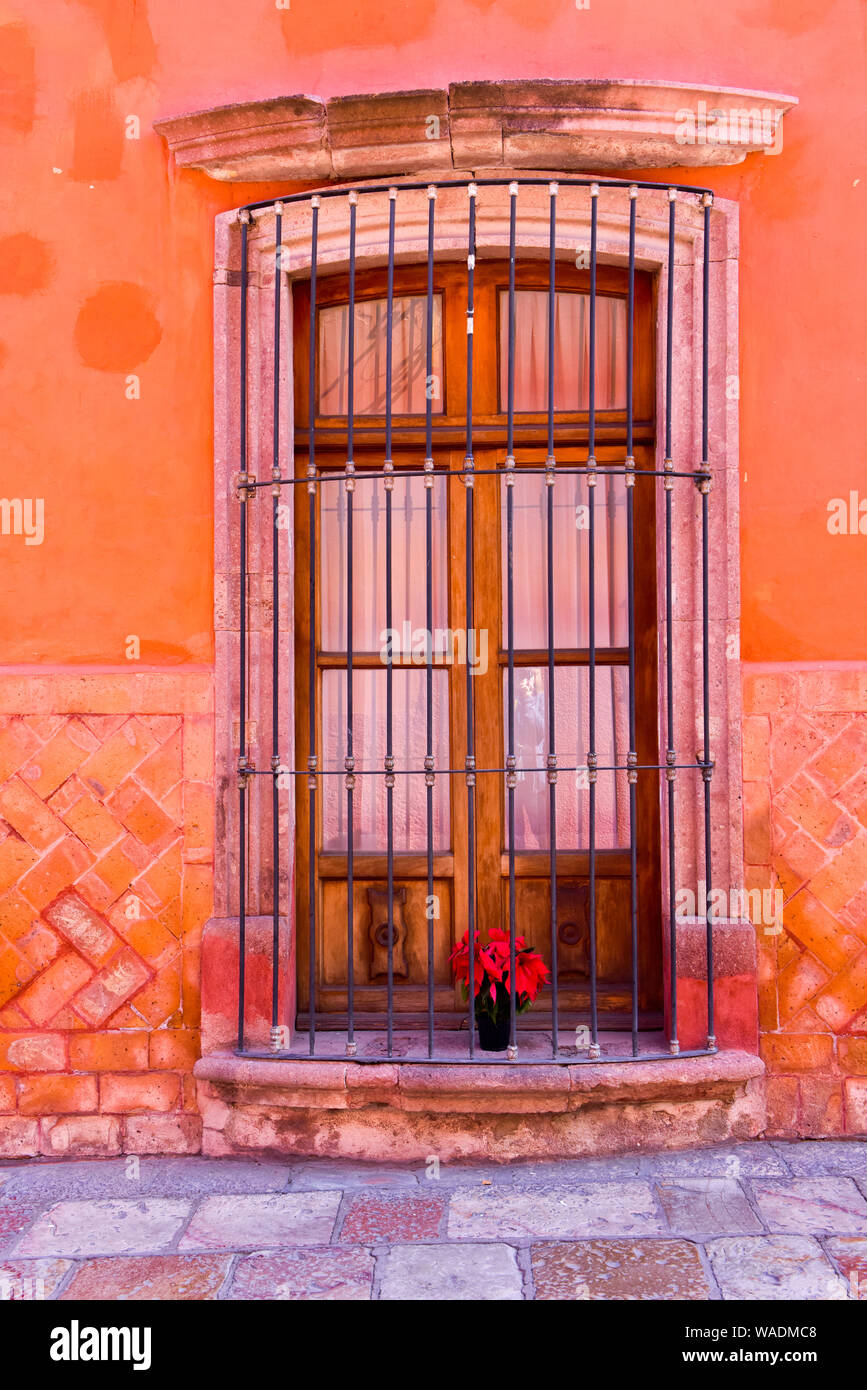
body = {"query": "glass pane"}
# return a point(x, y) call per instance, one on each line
point(571, 351)
point(409, 350)
point(571, 730)
point(572, 499)
point(408, 573)
point(409, 741)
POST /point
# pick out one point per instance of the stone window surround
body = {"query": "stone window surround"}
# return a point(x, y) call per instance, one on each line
point(738, 948)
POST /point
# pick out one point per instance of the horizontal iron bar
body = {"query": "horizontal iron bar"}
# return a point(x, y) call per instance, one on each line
point(462, 771)
point(491, 1060)
point(561, 470)
point(364, 189)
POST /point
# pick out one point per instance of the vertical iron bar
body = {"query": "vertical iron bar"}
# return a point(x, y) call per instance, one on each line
point(311, 675)
point(704, 488)
point(242, 711)
point(510, 608)
point(550, 465)
point(388, 468)
point(594, 1051)
point(275, 651)
point(470, 618)
point(632, 755)
point(670, 755)
point(349, 762)
point(428, 483)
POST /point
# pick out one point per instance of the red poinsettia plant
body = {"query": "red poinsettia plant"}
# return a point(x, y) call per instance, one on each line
point(491, 972)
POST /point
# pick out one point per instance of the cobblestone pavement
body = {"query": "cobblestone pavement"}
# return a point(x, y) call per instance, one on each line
point(748, 1221)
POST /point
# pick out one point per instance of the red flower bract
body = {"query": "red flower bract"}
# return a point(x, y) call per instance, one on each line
point(491, 967)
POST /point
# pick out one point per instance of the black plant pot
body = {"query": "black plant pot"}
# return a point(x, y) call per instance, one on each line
point(494, 1032)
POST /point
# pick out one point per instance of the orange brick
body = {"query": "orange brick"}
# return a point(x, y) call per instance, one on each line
point(117, 757)
point(121, 865)
point(33, 1052)
point(90, 821)
point(16, 857)
point(198, 816)
point(57, 1095)
point(164, 876)
point(17, 917)
point(794, 742)
point(58, 759)
point(29, 815)
point(174, 1049)
point(161, 997)
point(845, 996)
point(89, 934)
point(52, 990)
point(798, 982)
point(844, 756)
point(799, 858)
point(122, 1094)
point(757, 822)
point(162, 726)
point(162, 770)
point(782, 1100)
point(767, 692)
point(17, 744)
point(198, 896)
point(821, 1106)
point(114, 984)
point(7, 1094)
point(798, 1052)
point(19, 1137)
point(150, 940)
point(15, 971)
point(198, 736)
point(844, 876)
point(852, 1055)
point(108, 1051)
point(140, 813)
point(855, 1106)
point(162, 1134)
point(80, 1136)
point(59, 867)
point(813, 926)
point(756, 748)
point(40, 945)
point(814, 811)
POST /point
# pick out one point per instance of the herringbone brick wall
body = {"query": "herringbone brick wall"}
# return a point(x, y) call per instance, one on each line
point(106, 880)
point(106, 874)
point(805, 830)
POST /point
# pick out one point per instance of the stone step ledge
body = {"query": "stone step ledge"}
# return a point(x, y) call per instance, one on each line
point(473, 1088)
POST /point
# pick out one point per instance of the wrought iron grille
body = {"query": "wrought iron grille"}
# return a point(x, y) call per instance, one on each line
point(309, 780)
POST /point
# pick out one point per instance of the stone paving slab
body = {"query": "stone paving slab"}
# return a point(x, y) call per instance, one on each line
point(619, 1269)
point(327, 1273)
point(338, 1174)
point(812, 1157)
point(818, 1206)
point(149, 1277)
point(774, 1268)
point(722, 1161)
point(586, 1209)
point(105, 1228)
point(146, 1177)
point(31, 1280)
point(374, 1218)
point(484, 1273)
point(707, 1207)
point(736, 1221)
point(850, 1255)
point(262, 1221)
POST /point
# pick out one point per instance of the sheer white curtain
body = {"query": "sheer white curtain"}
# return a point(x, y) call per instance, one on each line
point(409, 357)
point(571, 351)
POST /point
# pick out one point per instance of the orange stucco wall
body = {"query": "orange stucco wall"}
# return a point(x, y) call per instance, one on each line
point(106, 777)
point(105, 259)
